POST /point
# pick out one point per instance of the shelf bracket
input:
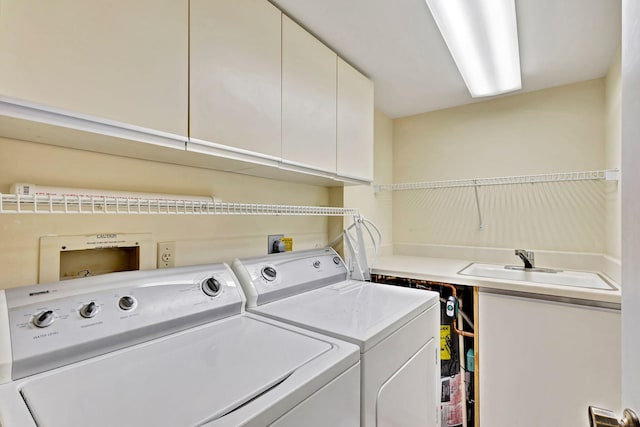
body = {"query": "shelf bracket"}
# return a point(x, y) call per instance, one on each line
point(612, 175)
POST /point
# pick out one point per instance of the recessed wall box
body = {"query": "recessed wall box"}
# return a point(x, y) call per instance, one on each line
point(69, 257)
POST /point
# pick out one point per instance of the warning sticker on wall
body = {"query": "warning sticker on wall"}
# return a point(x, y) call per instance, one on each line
point(445, 333)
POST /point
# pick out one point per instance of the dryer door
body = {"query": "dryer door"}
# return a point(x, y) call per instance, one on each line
point(400, 402)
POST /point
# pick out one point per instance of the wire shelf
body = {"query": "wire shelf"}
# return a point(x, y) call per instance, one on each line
point(19, 204)
point(609, 175)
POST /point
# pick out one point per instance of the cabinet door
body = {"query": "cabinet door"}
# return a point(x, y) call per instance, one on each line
point(119, 60)
point(235, 67)
point(543, 363)
point(355, 123)
point(308, 99)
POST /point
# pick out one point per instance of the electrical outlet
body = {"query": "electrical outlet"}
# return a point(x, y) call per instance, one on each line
point(271, 240)
point(166, 254)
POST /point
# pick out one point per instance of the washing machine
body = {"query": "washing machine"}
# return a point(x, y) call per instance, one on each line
point(167, 348)
point(397, 329)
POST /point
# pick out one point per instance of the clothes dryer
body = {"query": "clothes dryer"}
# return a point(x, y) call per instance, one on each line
point(397, 329)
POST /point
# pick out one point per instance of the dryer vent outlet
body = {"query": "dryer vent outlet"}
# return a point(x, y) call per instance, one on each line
point(166, 254)
point(271, 243)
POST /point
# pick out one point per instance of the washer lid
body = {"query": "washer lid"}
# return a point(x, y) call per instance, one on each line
point(359, 312)
point(182, 380)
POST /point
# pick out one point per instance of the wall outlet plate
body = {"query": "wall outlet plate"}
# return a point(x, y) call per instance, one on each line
point(271, 240)
point(166, 254)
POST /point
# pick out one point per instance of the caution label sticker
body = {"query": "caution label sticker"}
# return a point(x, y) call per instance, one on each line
point(445, 333)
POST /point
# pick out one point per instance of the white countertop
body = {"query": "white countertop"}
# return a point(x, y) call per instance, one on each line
point(446, 270)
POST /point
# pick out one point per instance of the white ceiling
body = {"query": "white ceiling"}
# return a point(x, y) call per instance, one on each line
point(397, 44)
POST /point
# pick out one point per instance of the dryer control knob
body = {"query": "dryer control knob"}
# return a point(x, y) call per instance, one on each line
point(211, 287)
point(336, 260)
point(316, 263)
point(89, 310)
point(269, 273)
point(44, 319)
point(127, 303)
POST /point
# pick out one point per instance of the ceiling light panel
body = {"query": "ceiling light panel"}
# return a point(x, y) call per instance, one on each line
point(482, 37)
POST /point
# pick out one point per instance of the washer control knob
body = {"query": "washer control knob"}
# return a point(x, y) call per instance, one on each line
point(89, 310)
point(316, 263)
point(44, 319)
point(336, 260)
point(269, 273)
point(127, 303)
point(211, 287)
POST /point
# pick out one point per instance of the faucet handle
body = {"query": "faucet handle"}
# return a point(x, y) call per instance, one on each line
point(528, 257)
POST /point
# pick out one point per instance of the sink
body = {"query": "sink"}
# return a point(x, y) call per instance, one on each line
point(580, 279)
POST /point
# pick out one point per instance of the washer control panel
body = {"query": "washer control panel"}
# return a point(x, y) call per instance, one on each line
point(277, 276)
point(55, 324)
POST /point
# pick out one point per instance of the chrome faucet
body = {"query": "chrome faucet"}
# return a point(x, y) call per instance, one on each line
point(527, 257)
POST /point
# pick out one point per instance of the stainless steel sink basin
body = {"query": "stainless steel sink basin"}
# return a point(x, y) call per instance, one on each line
point(580, 279)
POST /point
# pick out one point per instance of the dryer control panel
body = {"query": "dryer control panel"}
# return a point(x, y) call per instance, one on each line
point(276, 276)
point(55, 324)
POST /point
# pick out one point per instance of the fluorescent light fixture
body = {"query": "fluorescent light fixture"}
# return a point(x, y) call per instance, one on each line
point(482, 37)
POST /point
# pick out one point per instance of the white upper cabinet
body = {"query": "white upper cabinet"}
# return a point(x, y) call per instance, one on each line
point(308, 99)
point(120, 60)
point(355, 124)
point(235, 79)
point(235, 86)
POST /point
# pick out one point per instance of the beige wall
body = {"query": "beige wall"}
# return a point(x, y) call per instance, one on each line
point(555, 130)
point(613, 126)
point(377, 207)
point(199, 239)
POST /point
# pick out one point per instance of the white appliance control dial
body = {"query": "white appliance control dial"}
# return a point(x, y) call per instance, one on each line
point(127, 303)
point(211, 286)
point(89, 310)
point(269, 273)
point(44, 318)
point(336, 260)
point(316, 263)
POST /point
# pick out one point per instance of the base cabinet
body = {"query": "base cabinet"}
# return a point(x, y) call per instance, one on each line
point(542, 363)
